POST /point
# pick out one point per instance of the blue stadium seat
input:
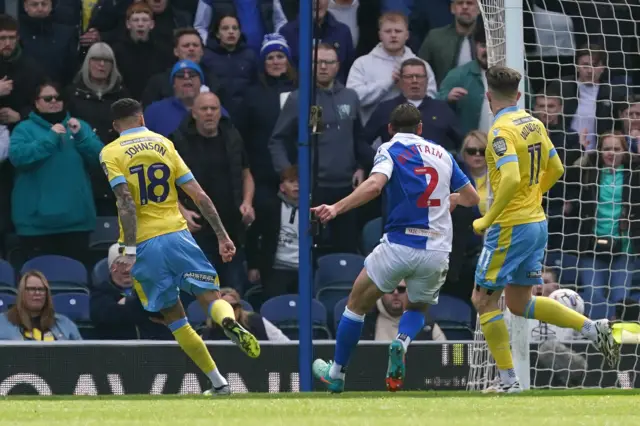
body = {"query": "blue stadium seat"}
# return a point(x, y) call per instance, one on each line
point(6, 300)
point(338, 310)
point(332, 294)
point(7, 277)
point(73, 305)
point(196, 314)
point(454, 316)
point(106, 233)
point(254, 296)
point(371, 235)
point(337, 267)
point(567, 266)
point(100, 272)
point(246, 306)
point(63, 273)
point(283, 312)
point(597, 307)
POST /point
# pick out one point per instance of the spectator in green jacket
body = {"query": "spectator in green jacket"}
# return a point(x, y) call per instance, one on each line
point(52, 202)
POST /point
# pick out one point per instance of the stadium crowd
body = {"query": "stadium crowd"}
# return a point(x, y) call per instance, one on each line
point(218, 77)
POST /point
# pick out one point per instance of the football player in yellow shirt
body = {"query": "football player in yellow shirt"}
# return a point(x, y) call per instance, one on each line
point(143, 169)
point(522, 165)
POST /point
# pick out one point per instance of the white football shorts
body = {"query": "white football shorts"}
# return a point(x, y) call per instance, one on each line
point(424, 271)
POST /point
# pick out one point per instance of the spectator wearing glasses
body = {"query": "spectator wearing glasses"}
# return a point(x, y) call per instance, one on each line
point(33, 317)
point(439, 122)
point(475, 165)
point(376, 77)
point(52, 203)
point(383, 321)
point(253, 322)
point(96, 86)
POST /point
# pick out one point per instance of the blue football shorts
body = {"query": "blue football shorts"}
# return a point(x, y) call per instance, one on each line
point(167, 264)
point(512, 255)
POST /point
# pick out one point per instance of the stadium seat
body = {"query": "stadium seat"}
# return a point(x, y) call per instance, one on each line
point(73, 305)
point(7, 277)
point(106, 233)
point(566, 264)
point(195, 314)
point(332, 294)
point(246, 306)
point(454, 316)
point(254, 296)
point(283, 312)
point(371, 235)
point(100, 272)
point(63, 273)
point(6, 300)
point(337, 267)
point(338, 310)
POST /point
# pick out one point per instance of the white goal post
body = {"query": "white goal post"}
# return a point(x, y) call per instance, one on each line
point(558, 43)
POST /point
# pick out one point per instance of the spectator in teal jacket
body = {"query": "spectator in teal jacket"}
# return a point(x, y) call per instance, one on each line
point(52, 202)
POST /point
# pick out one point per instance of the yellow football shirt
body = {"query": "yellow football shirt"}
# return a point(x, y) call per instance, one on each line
point(517, 136)
point(151, 166)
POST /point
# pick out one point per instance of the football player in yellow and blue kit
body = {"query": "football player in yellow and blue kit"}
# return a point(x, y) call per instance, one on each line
point(144, 169)
point(523, 165)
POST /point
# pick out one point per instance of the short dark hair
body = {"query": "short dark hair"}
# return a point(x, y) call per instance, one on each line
point(597, 53)
point(125, 108)
point(503, 81)
point(8, 23)
point(290, 173)
point(327, 46)
point(178, 33)
point(405, 118)
point(413, 62)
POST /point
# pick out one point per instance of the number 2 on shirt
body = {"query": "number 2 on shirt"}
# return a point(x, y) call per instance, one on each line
point(424, 201)
point(149, 189)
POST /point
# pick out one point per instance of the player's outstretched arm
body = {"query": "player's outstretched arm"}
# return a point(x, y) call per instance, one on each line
point(467, 196)
point(206, 207)
point(127, 213)
point(554, 171)
point(365, 192)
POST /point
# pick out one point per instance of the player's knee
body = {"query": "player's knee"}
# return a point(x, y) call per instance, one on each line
point(483, 301)
point(517, 300)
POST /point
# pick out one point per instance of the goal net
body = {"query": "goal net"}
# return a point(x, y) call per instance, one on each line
point(581, 63)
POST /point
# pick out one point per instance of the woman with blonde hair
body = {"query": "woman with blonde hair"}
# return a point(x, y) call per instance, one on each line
point(33, 316)
point(252, 321)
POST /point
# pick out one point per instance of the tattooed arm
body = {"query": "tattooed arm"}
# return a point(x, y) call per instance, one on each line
point(206, 207)
point(127, 213)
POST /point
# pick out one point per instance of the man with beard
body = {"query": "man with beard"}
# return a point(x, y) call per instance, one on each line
point(452, 46)
point(166, 115)
point(464, 88)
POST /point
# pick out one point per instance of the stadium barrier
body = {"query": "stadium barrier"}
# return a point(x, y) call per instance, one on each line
point(150, 367)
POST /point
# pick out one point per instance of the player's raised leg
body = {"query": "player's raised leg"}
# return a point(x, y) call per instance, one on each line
point(361, 300)
point(194, 347)
point(222, 313)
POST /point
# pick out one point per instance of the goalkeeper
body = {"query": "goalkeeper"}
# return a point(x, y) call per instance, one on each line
point(522, 165)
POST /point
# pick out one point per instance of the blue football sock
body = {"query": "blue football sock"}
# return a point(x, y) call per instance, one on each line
point(347, 338)
point(411, 322)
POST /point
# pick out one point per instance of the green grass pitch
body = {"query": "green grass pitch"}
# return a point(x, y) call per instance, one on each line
point(535, 408)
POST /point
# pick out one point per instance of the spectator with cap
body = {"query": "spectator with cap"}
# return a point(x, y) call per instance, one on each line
point(261, 108)
point(166, 115)
point(115, 309)
point(137, 47)
point(329, 31)
point(231, 59)
point(186, 45)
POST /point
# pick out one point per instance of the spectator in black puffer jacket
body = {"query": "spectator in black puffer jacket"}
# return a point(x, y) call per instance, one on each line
point(116, 311)
point(96, 86)
point(53, 45)
point(233, 62)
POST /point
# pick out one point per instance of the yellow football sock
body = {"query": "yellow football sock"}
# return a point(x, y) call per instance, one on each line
point(553, 312)
point(221, 309)
point(497, 337)
point(192, 345)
